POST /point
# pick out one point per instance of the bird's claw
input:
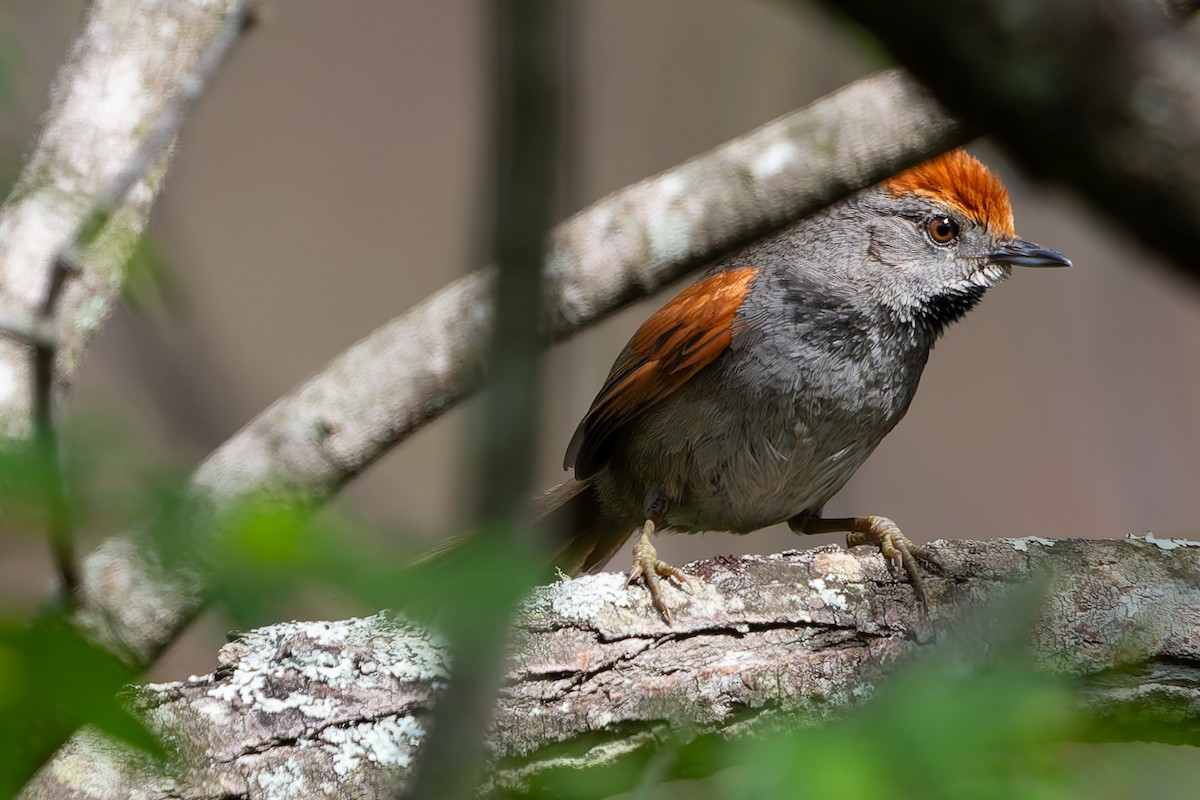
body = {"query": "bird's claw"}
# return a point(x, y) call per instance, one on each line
point(648, 568)
point(900, 551)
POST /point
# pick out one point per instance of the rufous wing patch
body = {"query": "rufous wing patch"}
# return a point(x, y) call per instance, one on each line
point(961, 182)
point(679, 340)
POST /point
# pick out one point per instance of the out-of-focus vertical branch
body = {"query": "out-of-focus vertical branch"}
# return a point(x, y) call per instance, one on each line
point(46, 442)
point(526, 154)
point(61, 220)
point(527, 51)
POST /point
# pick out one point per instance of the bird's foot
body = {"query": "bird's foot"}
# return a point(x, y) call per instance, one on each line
point(881, 532)
point(648, 568)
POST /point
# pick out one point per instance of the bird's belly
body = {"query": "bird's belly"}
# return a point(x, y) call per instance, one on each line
point(720, 469)
point(756, 485)
point(728, 454)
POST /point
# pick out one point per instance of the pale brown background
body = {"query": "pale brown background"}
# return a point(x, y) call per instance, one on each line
point(332, 176)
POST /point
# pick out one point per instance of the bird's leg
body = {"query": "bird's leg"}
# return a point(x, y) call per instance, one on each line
point(882, 533)
point(646, 564)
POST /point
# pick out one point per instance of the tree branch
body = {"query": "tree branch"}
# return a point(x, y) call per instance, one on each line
point(338, 709)
point(415, 367)
point(98, 165)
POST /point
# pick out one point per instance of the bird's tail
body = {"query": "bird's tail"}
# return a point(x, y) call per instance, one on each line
point(584, 540)
point(568, 516)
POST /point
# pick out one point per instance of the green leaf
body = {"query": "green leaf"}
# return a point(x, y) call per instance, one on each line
point(52, 681)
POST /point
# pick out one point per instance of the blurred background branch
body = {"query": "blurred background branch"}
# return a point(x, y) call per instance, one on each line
point(1103, 98)
point(97, 168)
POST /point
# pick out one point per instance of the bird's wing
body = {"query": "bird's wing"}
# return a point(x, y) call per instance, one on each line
point(679, 340)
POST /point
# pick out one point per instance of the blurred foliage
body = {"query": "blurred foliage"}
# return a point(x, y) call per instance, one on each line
point(261, 557)
point(265, 552)
point(149, 284)
point(52, 681)
point(110, 485)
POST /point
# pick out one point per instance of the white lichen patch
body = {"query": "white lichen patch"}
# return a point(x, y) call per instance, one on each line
point(399, 650)
point(163, 718)
point(580, 598)
point(91, 313)
point(703, 599)
point(1164, 544)
point(418, 655)
point(213, 710)
point(391, 741)
point(1022, 545)
point(603, 753)
point(774, 159)
point(863, 691)
point(277, 705)
point(284, 782)
point(668, 235)
point(831, 597)
point(170, 686)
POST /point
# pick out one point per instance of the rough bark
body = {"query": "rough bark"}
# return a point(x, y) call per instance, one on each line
point(412, 369)
point(339, 709)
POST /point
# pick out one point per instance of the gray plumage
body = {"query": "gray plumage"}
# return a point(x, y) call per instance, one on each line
point(827, 349)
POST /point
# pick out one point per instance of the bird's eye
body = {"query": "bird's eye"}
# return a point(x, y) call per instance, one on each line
point(943, 230)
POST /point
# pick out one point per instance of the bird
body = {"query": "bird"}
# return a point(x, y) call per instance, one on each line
point(753, 395)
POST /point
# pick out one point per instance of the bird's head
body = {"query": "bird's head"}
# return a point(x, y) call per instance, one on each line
point(939, 235)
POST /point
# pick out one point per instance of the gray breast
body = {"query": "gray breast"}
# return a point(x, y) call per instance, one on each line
point(777, 424)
